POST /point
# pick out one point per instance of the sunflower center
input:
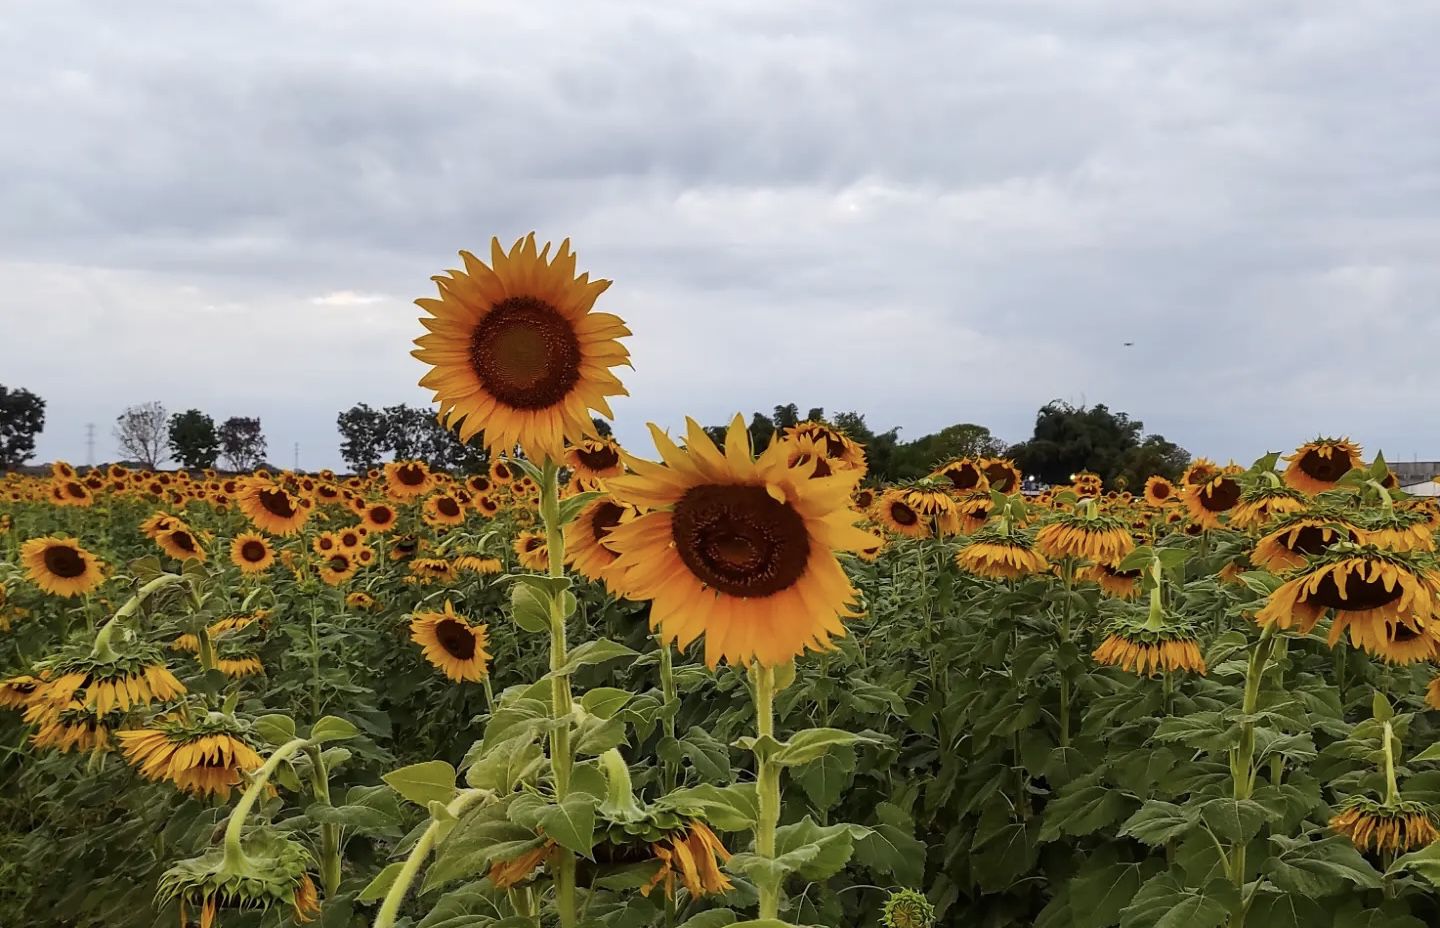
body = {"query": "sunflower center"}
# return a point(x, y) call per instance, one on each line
point(253, 551)
point(455, 638)
point(183, 540)
point(1001, 477)
point(1313, 539)
point(1326, 468)
point(534, 544)
point(1160, 490)
point(381, 515)
point(340, 563)
point(903, 514)
point(447, 507)
point(964, 477)
point(277, 502)
point(599, 458)
point(1222, 496)
point(1360, 594)
point(740, 540)
point(526, 353)
point(607, 516)
point(64, 561)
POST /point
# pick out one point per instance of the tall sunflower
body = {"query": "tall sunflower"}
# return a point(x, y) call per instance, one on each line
point(1100, 538)
point(898, 516)
point(585, 536)
point(835, 444)
point(205, 758)
point(181, 544)
point(1259, 505)
point(60, 566)
point(271, 507)
point(1001, 555)
point(1365, 587)
point(1318, 465)
point(595, 457)
point(516, 352)
point(1300, 536)
point(452, 644)
point(1002, 474)
point(407, 480)
point(736, 548)
point(1159, 491)
point(963, 474)
point(1208, 500)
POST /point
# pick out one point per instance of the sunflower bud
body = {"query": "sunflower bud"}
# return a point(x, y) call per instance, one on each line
point(907, 908)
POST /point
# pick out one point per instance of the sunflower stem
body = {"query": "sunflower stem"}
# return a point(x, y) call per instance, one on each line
point(103, 649)
point(1392, 785)
point(1069, 570)
point(1242, 757)
point(235, 859)
point(768, 786)
point(668, 772)
point(562, 758)
point(329, 832)
point(390, 907)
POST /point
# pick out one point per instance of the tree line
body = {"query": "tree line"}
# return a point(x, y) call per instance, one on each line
point(1066, 439)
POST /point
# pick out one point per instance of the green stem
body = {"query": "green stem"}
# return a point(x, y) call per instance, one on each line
point(1069, 570)
point(329, 832)
point(668, 772)
point(768, 788)
point(1242, 758)
point(104, 650)
point(235, 854)
point(562, 757)
point(390, 908)
point(1392, 785)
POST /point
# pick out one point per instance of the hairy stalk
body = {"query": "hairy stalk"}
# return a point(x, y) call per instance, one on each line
point(1242, 757)
point(668, 772)
point(768, 787)
point(390, 908)
point(103, 649)
point(329, 832)
point(1068, 568)
point(234, 853)
point(562, 757)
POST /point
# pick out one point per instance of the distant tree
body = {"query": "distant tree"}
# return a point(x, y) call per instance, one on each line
point(242, 443)
point(193, 439)
point(880, 449)
point(22, 417)
point(602, 426)
point(141, 432)
point(961, 440)
point(1069, 439)
point(363, 437)
point(785, 417)
point(1155, 455)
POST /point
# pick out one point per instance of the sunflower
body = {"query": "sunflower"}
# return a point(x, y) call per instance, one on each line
point(15, 692)
point(270, 872)
point(181, 544)
point(338, 567)
point(963, 474)
point(272, 508)
point(1159, 491)
point(219, 629)
point(404, 548)
point(73, 727)
point(1432, 693)
point(516, 870)
point(245, 665)
point(1200, 471)
point(432, 570)
point(532, 550)
point(407, 480)
point(379, 518)
point(690, 853)
point(1393, 827)
point(863, 498)
point(204, 759)
point(1395, 642)
point(1001, 474)
point(1397, 529)
point(595, 457)
point(444, 509)
point(1318, 465)
point(104, 686)
point(487, 506)
point(1301, 536)
point(452, 644)
point(517, 353)
point(836, 445)
point(1149, 652)
point(1087, 485)
point(60, 566)
point(1103, 539)
point(501, 473)
point(479, 565)
point(896, 515)
point(360, 600)
point(72, 493)
point(251, 553)
point(159, 523)
point(809, 452)
point(971, 512)
point(478, 484)
point(738, 549)
point(1207, 501)
point(1001, 555)
point(1262, 504)
point(1364, 586)
point(585, 535)
point(1121, 584)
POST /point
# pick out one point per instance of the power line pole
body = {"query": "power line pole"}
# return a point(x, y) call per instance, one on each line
point(296, 468)
point(89, 444)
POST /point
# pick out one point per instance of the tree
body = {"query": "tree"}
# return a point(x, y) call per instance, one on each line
point(22, 417)
point(1069, 439)
point(141, 431)
point(1155, 455)
point(193, 439)
point(242, 443)
point(362, 434)
point(602, 427)
point(961, 440)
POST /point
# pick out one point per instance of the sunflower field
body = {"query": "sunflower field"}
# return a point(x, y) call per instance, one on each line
point(732, 686)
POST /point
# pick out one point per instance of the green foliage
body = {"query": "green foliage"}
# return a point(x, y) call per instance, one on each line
point(193, 439)
point(22, 417)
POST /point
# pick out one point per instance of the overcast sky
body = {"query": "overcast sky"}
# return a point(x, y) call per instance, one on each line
point(930, 212)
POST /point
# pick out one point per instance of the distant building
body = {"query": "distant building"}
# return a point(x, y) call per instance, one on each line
point(1413, 472)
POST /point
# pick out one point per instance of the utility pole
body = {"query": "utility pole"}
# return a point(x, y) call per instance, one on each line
point(89, 444)
point(296, 468)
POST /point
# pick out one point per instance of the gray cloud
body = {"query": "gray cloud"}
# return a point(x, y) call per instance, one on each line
point(929, 211)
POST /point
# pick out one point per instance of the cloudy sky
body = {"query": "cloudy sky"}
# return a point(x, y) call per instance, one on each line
point(928, 211)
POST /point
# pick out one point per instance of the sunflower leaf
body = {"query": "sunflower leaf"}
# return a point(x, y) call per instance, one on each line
point(332, 728)
point(570, 506)
point(529, 609)
point(274, 728)
point(422, 783)
point(592, 652)
point(376, 889)
point(571, 823)
point(814, 743)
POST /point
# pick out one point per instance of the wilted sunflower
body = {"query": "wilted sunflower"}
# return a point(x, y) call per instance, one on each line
point(532, 550)
point(123, 682)
point(516, 870)
point(219, 629)
point(1395, 827)
point(1002, 474)
point(838, 447)
point(595, 457)
point(1262, 504)
point(690, 853)
point(1159, 491)
point(1001, 555)
point(205, 758)
point(60, 566)
point(738, 549)
point(896, 515)
point(1209, 500)
point(1145, 652)
point(1301, 536)
point(407, 480)
point(1363, 585)
point(1397, 529)
point(432, 570)
point(963, 474)
point(1121, 584)
point(271, 872)
point(70, 727)
point(585, 535)
point(251, 553)
point(181, 544)
point(1318, 465)
point(1395, 642)
point(1103, 539)
point(404, 547)
point(244, 665)
point(272, 508)
point(517, 353)
point(452, 644)
point(15, 692)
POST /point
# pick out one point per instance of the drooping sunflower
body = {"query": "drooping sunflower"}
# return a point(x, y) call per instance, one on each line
point(250, 552)
point(1001, 474)
point(1396, 642)
point(1120, 584)
point(837, 446)
point(517, 352)
point(443, 509)
point(404, 547)
point(359, 599)
point(595, 457)
point(181, 544)
point(379, 518)
point(1159, 491)
point(736, 548)
point(452, 644)
point(585, 536)
point(124, 682)
point(1318, 465)
point(963, 473)
point(513, 871)
point(1300, 536)
point(1209, 500)
point(532, 550)
point(60, 566)
point(694, 854)
point(929, 499)
point(272, 508)
point(432, 570)
point(15, 692)
point(1001, 555)
point(479, 565)
point(896, 515)
point(205, 758)
point(1145, 652)
point(1262, 504)
point(272, 873)
point(70, 727)
point(1087, 485)
point(1400, 826)
point(407, 480)
point(1397, 529)
point(1364, 585)
point(1100, 538)
point(242, 665)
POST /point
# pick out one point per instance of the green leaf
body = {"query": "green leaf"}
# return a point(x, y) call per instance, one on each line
point(571, 823)
point(1163, 902)
point(709, 756)
point(422, 783)
point(893, 850)
point(547, 586)
point(1321, 867)
point(507, 764)
point(595, 736)
point(1085, 811)
point(715, 918)
point(570, 506)
point(805, 848)
point(1097, 896)
point(1380, 708)
point(1235, 820)
point(593, 652)
point(728, 808)
point(1425, 863)
point(361, 818)
point(605, 701)
point(825, 780)
point(814, 743)
point(333, 728)
point(376, 889)
point(1430, 753)
point(275, 729)
point(529, 609)
point(1205, 730)
point(1157, 822)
